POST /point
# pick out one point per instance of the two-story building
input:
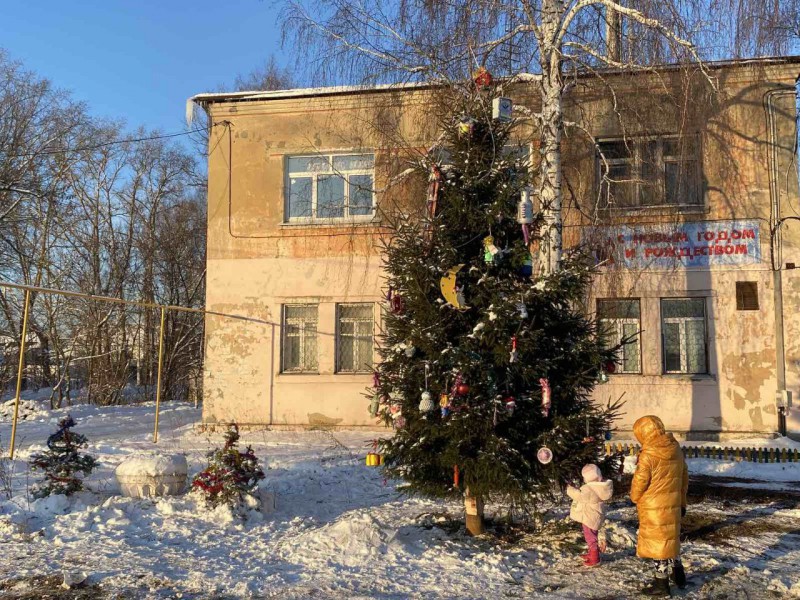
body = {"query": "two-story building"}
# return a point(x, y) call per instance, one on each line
point(683, 181)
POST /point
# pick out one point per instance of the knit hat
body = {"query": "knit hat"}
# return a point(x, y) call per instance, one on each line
point(591, 473)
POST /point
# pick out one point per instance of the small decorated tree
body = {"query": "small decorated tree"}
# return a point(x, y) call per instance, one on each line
point(230, 474)
point(62, 463)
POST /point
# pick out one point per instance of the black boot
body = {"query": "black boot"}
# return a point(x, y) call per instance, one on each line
point(659, 587)
point(679, 574)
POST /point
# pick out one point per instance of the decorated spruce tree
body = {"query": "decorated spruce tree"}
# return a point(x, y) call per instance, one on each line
point(230, 475)
point(486, 368)
point(62, 463)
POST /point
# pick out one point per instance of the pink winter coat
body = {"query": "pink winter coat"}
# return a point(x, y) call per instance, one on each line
point(589, 503)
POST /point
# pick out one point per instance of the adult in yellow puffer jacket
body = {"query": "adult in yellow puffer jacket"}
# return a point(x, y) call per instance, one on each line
point(659, 491)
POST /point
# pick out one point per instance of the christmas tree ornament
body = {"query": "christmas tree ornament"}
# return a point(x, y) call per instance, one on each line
point(434, 184)
point(490, 252)
point(588, 439)
point(511, 404)
point(544, 455)
point(374, 459)
point(514, 355)
point(523, 310)
point(444, 404)
point(502, 109)
point(607, 435)
point(526, 270)
point(482, 78)
point(546, 396)
point(466, 127)
point(399, 422)
point(602, 377)
point(410, 350)
point(610, 367)
point(525, 214)
point(426, 404)
point(451, 293)
point(374, 405)
point(462, 389)
point(456, 476)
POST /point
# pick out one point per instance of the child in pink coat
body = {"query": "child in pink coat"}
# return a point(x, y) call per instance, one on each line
point(589, 508)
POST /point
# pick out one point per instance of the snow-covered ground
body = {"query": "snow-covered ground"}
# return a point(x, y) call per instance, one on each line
point(341, 531)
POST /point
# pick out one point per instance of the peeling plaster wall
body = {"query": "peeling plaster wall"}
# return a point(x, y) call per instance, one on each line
point(256, 263)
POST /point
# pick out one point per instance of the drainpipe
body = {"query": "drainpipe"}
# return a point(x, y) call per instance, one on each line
point(776, 247)
point(272, 376)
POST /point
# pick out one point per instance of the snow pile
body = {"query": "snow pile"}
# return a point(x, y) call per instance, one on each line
point(28, 409)
point(788, 472)
point(152, 464)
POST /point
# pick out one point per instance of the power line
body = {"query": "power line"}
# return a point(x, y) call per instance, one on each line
point(104, 145)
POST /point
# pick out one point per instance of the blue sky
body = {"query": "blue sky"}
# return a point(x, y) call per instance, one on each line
point(140, 60)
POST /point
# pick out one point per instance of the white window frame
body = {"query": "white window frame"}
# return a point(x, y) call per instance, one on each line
point(357, 362)
point(314, 175)
point(302, 335)
point(616, 326)
point(682, 338)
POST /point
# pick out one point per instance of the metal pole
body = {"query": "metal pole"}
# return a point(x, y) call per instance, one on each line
point(158, 378)
point(19, 371)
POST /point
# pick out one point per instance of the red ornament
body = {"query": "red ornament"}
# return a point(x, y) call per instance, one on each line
point(398, 306)
point(482, 78)
point(610, 367)
point(456, 476)
point(462, 389)
point(588, 440)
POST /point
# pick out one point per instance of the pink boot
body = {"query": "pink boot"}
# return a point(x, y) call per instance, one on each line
point(593, 559)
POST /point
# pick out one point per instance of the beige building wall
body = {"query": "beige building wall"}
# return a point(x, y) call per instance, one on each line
point(257, 263)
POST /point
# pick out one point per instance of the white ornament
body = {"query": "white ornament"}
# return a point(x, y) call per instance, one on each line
point(525, 208)
point(502, 109)
point(410, 351)
point(523, 310)
point(426, 403)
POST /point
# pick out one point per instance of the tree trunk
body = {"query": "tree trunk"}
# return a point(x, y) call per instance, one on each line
point(551, 90)
point(474, 508)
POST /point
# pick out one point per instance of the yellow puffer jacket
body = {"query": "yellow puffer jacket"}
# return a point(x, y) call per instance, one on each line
point(659, 490)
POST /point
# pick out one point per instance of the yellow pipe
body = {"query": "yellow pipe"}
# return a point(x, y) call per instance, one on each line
point(19, 372)
point(158, 378)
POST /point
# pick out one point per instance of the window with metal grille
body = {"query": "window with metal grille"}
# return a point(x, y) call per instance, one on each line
point(746, 295)
point(683, 335)
point(330, 187)
point(620, 322)
point(300, 338)
point(649, 171)
point(354, 343)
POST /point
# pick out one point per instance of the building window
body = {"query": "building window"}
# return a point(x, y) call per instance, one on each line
point(683, 333)
point(643, 172)
point(330, 187)
point(746, 295)
point(354, 345)
point(300, 338)
point(620, 322)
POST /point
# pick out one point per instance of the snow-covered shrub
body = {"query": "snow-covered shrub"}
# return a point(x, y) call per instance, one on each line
point(230, 475)
point(62, 462)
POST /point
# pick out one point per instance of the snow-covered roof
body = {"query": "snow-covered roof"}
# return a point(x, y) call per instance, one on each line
point(211, 97)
